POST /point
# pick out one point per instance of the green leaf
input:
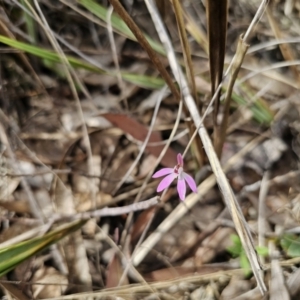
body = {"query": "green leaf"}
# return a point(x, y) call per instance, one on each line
point(262, 251)
point(236, 249)
point(291, 244)
point(245, 264)
point(13, 255)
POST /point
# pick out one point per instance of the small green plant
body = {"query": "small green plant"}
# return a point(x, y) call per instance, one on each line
point(290, 243)
point(237, 250)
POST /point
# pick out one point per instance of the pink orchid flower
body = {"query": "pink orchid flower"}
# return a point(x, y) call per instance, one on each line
point(173, 173)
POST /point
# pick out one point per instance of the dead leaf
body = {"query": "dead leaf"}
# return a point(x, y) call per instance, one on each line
point(139, 132)
point(114, 273)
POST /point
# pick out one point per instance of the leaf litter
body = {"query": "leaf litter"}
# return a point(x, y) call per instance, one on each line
point(43, 145)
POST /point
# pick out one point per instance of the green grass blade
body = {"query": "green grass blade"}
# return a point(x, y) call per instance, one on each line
point(261, 113)
point(12, 256)
point(52, 57)
point(144, 80)
point(30, 25)
point(117, 23)
point(48, 54)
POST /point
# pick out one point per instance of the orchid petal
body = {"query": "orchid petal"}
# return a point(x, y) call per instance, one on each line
point(181, 188)
point(191, 182)
point(163, 172)
point(165, 182)
point(180, 159)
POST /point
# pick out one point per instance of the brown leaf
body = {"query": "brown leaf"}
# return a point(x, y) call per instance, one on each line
point(216, 12)
point(114, 273)
point(217, 27)
point(139, 132)
point(142, 221)
point(146, 216)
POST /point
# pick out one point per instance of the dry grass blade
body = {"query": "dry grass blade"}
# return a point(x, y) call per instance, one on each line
point(116, 211)
point(196, 32)
point(162, 7)
point(285, 49)
point(140, 289)
point(278, 289)
point(236, 65)
point(189, 70)
point(229, 197)
point(216, 12)
point(185, 48)
point(145, 44)
point(271, 43)
point(238, 218)
point(275, 76)
point(262, 227)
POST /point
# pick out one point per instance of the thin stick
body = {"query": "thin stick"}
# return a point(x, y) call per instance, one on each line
point(114, 51)
point(262, 209)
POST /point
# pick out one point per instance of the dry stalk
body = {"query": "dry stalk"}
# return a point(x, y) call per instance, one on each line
point(189, 71)
point(262, 210)
point(114, 52)
point(236, 65)
point(216, 12)
point(285, 49)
